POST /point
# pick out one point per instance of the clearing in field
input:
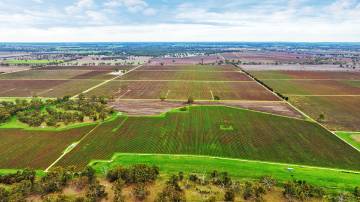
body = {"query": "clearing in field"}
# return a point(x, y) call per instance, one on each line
point(197, 131)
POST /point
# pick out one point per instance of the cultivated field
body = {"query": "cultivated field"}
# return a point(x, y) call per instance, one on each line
point(333, 94)
point(181, 90)
point(187, 67)
point(36, 149)
point(187, 75)
point(218, 131)
point(340, 113)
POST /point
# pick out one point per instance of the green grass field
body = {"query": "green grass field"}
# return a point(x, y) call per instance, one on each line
point(255, 135)
point(238, 169)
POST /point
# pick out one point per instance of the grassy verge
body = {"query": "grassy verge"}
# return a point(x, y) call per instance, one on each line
point(348, 137)
point(327, 178)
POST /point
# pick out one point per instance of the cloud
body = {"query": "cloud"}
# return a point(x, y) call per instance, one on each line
point(132, 6)
point(206, 20)
point(79, 6)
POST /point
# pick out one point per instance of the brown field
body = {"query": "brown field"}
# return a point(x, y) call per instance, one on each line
point(265, 56)
point(191, 68)
point(341, 113)
point(26, 88)
point(44, 74)
point(336, 95)
point(181, 90)
point(155, 107)
point(186, 75)
point(35, 149)
point(71, 88)
point(44, 88)
point(315, 87)
point(306, 75)
point(92, 68)
point(186, 60)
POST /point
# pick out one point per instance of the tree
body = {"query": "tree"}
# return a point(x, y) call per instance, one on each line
point(321, 118)
point(117, 188)
point(96, 191)
point(140, 192)
point(190, 100)
point(229, 195)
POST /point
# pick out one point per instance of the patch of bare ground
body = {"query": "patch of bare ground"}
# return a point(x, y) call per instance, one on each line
point(144, 107)
point(278, 108)
point(154, 107)
point(10, 69)
point(297, 67)
point(356, 137)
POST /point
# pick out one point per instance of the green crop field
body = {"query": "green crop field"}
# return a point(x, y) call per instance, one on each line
point(200, 131)
point(238, 169)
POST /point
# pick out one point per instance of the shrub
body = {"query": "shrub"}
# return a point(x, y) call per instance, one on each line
point(136, 174)
point(140, 192)
point(301, 190)
point(229, 195)
point(190, 100)
point(96, 191)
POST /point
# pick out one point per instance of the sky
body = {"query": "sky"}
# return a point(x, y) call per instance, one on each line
point(179, 20)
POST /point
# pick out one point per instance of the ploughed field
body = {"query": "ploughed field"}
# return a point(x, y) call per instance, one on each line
point(37, 148)
point(179, 82)
point(53, 81)
point(336, 95)
point(217, 131)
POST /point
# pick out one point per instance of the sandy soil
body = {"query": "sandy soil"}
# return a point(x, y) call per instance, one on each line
point(154, 107)
point(297, 67)
point(9, 69)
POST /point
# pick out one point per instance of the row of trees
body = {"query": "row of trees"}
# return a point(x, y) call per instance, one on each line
point(19, 186)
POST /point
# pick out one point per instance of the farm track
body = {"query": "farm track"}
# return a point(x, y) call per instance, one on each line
point(66, 151)
point(105, 82)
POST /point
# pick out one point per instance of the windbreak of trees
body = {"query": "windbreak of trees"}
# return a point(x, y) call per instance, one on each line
point(37, 112)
